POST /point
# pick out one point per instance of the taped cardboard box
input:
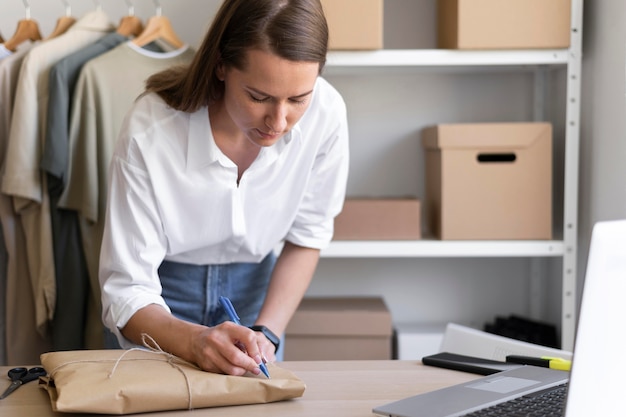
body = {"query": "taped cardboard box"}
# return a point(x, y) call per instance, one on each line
point(489, 181)
point(379, 219)
point(354, 24)
point(341, 328)
point(498, 24)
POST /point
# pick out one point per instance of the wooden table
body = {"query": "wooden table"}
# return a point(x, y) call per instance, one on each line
point(334, 388)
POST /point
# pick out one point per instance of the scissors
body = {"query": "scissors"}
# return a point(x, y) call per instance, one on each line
point(20, 376)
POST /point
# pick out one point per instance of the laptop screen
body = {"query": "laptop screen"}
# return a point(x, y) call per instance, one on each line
point(598, 368)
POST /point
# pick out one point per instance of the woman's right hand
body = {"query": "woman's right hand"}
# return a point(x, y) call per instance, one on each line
point(227, 348)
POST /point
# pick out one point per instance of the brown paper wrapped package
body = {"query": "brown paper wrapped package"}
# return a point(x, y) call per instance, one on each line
point(137, 380)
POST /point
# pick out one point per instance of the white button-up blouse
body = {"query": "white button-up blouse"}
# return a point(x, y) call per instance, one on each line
point(173, 195)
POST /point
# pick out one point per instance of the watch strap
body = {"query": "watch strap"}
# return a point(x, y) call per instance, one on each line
point(270, 335)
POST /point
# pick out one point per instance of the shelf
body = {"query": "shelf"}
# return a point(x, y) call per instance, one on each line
point(444, 58)
point(527, 65)
point(443, 249)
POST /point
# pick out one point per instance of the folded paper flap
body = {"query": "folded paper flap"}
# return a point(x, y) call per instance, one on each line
point(132, 381)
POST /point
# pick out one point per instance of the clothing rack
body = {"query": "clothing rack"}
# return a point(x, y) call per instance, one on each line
point(52, 195)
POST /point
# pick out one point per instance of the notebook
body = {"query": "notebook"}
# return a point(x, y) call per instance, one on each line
point(595, 384)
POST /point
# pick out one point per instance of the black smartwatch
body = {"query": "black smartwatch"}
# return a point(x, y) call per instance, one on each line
point(271, 336)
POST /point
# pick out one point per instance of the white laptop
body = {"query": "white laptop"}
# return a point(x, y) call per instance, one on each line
point(595, 385)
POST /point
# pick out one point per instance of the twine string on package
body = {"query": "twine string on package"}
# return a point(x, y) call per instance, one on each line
point(154, 347)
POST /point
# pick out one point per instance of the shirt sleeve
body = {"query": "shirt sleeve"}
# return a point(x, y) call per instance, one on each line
point(133, 244)
point(326, 188)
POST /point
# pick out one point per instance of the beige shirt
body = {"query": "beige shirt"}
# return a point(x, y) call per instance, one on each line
point(23, 343)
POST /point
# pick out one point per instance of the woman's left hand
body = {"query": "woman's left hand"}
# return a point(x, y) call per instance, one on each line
point(266, 347)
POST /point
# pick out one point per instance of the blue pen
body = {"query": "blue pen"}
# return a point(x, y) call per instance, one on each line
point(230, 310)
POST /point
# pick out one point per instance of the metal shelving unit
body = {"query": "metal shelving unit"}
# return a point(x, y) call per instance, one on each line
point(519, 60)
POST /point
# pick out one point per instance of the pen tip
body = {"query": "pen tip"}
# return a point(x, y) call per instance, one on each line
point(264, 370)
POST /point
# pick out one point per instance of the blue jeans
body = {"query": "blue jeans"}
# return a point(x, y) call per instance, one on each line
point(192, 291)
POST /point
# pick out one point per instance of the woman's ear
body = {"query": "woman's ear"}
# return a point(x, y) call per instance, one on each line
point(220, 71)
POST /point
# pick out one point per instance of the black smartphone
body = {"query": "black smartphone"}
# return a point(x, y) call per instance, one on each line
point(467, 363)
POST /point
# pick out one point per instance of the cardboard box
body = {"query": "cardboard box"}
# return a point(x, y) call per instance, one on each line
point(354, 24)
point(499, 24)
point(489, 181)
point(356, 328)
point(379, 219)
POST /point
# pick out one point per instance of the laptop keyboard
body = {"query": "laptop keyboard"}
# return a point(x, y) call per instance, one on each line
point(545, 403)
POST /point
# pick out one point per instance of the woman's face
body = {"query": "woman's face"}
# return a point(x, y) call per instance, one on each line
point(267, 98)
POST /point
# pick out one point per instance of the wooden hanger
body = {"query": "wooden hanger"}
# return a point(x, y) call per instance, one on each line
point(1, 39)
point(158, 27)
point(130, 25)
point(64, 22)
point(27, 29)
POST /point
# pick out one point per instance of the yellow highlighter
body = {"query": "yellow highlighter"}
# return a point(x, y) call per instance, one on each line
point(551, 362)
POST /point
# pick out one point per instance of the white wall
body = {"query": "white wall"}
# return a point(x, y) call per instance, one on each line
point(387, 111)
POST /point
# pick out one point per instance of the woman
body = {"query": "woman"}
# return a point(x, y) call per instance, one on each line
point(216, 165)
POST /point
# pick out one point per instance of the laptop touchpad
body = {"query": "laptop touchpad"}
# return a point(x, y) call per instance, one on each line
point(502, 385)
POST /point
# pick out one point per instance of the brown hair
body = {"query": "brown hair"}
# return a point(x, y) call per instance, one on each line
point(292, 29)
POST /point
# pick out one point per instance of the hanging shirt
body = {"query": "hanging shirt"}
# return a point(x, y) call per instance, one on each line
point(26, 342)
point(174, 195)
point(72, 278)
